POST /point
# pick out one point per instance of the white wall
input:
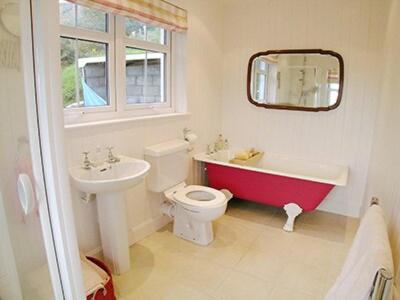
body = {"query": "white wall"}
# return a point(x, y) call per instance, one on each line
point(354, 28)
point(384, 174)
point(204, 66)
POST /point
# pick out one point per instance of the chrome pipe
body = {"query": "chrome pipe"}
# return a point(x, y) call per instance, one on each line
point(382, 286)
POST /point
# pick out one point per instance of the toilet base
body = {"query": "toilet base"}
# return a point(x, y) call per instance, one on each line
point(198, 232)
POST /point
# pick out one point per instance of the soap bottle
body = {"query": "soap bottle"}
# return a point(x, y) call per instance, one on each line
point(226, 144)
point(219, 144)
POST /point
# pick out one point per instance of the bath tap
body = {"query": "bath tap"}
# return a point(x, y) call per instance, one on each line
point(112, 159)
point(87, 164)
point(210, 149)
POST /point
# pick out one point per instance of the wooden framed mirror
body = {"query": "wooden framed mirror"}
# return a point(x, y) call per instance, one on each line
point(303, 79)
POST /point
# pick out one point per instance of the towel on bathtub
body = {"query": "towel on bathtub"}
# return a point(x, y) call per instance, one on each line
point(369, 252)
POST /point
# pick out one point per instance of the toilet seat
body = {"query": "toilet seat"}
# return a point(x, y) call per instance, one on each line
point(199, 196)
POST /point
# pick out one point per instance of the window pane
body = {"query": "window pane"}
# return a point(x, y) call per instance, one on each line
point(260, 87)
point(145, 76)
point(91, 19)
point(93, 73)
point(135, 29)
point(75, 15)
point(333, 97)
point(261, 65)
point(84, 73)
point(67, 13)
point(144, 32)
point(155, 34)
point(334, 86)
point(154, 92)
point(68, 72)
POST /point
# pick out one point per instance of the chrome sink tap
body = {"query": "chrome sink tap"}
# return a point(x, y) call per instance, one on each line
point(111, 158)
point(87, 164)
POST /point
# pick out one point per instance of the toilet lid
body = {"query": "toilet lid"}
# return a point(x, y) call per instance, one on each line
point(199, 196)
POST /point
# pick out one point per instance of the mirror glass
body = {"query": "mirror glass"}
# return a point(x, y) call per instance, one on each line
point(304, 80)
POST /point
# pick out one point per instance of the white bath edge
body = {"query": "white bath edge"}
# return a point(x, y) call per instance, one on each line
point(341, 181)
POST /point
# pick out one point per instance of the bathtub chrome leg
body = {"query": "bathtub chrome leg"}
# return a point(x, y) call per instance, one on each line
point(292, 211)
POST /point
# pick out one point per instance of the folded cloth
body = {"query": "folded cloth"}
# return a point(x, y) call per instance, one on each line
point(244, 155)
point(94, 277)
point(247, 154)
point(369, 252)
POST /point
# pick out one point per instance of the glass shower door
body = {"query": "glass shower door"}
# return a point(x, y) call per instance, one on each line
point(28, 264)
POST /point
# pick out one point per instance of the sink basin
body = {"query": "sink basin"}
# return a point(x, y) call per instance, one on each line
point(110, 177)
point(109, 182)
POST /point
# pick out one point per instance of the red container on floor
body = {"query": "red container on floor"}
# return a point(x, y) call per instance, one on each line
point(108, 294)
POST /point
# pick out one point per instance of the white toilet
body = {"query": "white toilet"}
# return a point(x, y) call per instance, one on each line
point(193, 207)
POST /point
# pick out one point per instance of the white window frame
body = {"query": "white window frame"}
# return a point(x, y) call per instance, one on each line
point(122, 41)
point(100, 37)
point(117, 41)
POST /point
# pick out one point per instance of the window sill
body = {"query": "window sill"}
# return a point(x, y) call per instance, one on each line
point(124, 120)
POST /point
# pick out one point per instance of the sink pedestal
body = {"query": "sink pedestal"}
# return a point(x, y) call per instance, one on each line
point(111, 209)
point(109, 181)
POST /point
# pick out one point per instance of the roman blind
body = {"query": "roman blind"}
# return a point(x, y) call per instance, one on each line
point(156, 12)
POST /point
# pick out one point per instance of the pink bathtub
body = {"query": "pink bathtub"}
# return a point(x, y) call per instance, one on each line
point(293, 184)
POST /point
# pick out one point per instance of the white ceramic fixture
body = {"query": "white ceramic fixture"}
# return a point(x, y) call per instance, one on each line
point(109, 181)
point(192, 207)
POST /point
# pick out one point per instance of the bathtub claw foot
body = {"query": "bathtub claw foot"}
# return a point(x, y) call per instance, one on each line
point(292, 211)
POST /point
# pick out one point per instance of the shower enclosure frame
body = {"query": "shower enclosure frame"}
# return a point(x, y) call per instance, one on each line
point(40, 61)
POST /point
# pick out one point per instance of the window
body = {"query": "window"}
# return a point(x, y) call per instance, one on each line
point(87, 45)
point(84, 73)
point(112, 66)
point(333, 86)
point(81, 17)
point(140, 31)
point(261, 70)
point(144, 76)
point(333, 93)
point(147, 52)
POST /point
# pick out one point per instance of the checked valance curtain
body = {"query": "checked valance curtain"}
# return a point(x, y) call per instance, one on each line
point(156, 12)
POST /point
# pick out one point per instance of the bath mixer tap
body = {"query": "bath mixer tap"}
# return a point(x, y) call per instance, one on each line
point(112, 159)
point(87, 164)
point(210, 149)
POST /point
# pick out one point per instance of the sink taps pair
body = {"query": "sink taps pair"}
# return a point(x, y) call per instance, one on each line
point(111, 159)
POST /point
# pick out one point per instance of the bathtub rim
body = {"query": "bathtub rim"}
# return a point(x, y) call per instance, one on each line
point(341, 180)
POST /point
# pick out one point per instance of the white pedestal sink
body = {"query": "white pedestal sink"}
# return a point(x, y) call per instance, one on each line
point(108, 182)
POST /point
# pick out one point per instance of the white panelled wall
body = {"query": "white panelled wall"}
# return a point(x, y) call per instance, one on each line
point(204, 61)
point(221, 38)
point(343, 136)
point(384, 173)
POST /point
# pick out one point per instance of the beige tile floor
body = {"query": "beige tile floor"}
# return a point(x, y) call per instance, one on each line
point(250, 258)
